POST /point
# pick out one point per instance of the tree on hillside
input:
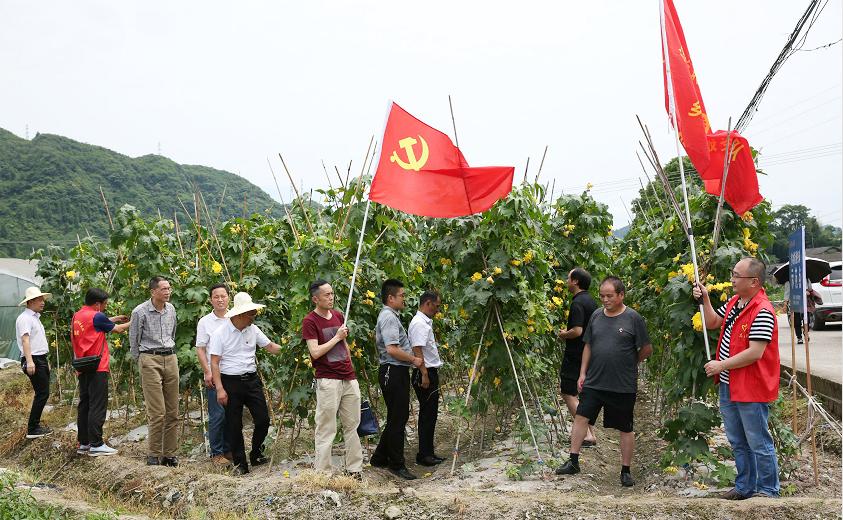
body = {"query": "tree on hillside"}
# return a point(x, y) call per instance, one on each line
point(788, 218)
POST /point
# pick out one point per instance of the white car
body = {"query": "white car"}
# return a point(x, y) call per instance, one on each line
point(830, 290)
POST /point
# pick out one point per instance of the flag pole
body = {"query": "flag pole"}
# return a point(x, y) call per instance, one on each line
point(365, 218)
point(671, 97)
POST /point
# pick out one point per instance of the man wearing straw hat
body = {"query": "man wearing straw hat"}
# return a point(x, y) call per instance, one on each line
point(232, 348)
point(32, 341)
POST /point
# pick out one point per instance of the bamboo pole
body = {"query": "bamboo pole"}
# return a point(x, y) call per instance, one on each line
point(453, 122)
point(790, 320)
point(284, 204)
point(810, 392)
point(541, 164)
point(356, 188)
point(298, 197)
point(719, 214)
point(107, 211)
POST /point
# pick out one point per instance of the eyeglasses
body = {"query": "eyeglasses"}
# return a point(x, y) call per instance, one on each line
point(736, 275)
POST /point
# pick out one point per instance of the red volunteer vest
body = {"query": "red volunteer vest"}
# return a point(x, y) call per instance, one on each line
point(85, 339)
point(758, 382)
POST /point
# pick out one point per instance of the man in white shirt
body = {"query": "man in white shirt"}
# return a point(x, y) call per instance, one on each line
point(220, 451)
point(232, 347)
point(426, 377)
point(32, 342)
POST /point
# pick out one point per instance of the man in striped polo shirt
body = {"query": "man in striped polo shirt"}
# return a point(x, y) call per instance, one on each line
point(747, 369)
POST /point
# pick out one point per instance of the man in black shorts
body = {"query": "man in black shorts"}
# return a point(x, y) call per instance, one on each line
point(582, 307)
point(616, 341)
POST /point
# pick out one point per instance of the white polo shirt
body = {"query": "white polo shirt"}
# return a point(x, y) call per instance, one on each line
point(236, 348)
point(29, 322)
point(206, 326)
point(421, 335)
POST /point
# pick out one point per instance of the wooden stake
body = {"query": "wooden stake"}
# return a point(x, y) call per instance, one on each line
point(810, 393)
point(298, 196)
point(541, 164)
point(107, 211)
point(284, 204)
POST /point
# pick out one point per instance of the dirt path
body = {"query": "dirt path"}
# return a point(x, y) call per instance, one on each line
point(480, 489)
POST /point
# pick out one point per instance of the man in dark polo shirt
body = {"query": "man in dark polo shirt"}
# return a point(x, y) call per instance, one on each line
point(616, 340)
point(582, 307)
point(337, 390)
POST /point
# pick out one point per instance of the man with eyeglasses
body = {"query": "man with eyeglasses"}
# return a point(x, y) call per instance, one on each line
point(152, 339)
point(747, 370)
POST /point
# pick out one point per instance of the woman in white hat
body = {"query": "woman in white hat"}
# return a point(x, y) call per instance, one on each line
point(32, 341)
point(232, 348)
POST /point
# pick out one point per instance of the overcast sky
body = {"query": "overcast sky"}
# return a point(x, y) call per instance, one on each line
point(228, 84)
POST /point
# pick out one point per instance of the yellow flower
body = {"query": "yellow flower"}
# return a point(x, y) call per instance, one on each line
point(589, 186)
point(558, 288)
point(671, 470)
point(747, 217)
point(70, 275)
point(528, 257)
point(557, 301)
point(697, 321)
point(463, 314)
point(444, 346)
point(370, 294)
point(368, 302)
point(476, 276)
point(677, 257)
point(460, 390)
point(116, 343)
point(515, 262)
point(490, 280)
point(183, 274)
point(724, 297)
point(445, 261)
point(438, 316)
point(746, 232)
point(672, 274)
point(688, 271)
point(496, 381)
point(286, 474)
point(559, 282)
point(419, 269)
point(750, 246)
point(531, 329)
point(216, 267)
point(643, 267)
point(497, 270)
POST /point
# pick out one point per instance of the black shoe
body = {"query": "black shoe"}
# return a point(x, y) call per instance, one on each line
point(259, 460)
point(356, 475)
point(626, 479)
point(403, 473)
point(239, 470)
point(732, 494)
point(152, 460)
point(569, 468)
point(427, 460)
point(799, 341)
point(378, 464)
point(438, 459)
point(169, 461)
point(589, 444)
point(39, 431)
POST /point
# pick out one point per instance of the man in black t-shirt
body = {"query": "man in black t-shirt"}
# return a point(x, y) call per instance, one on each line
point(616, 341)
point(582, 307)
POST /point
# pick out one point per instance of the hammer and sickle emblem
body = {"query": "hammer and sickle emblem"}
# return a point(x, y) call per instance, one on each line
point(412, 163)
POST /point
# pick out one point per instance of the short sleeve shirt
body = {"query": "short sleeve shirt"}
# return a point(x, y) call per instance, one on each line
point(421, 335)
point(615, 342)
point(237, 348)
point(336, 363)
point(206, 326)
point(390, 331)
point(29, 322)
point(582, 307)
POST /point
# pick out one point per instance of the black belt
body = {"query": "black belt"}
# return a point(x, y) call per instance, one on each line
point(161, 352)
point(242, 377)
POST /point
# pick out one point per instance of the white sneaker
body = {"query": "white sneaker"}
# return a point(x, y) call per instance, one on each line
point(100, 451)
point(83, 449)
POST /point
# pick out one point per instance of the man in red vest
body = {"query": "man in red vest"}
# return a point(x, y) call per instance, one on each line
point(747, 369)
point(90, 325)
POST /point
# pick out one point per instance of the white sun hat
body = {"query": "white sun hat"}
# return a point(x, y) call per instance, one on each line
point(32, 293)
point(243, 303)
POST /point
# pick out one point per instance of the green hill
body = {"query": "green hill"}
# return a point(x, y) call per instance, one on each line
point(50, 188)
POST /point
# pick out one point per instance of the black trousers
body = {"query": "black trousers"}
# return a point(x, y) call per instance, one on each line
point(41, 384)
point(428, 409)
point(394, 381)
point(93, 402)
point(246, 392)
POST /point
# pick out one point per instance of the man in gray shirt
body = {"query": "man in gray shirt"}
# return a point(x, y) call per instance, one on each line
point(396, 357)
point(152, 340)
point(616, 340)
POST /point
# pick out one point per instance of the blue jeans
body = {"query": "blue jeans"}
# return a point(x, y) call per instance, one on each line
point(752, 445)
point(216, 424)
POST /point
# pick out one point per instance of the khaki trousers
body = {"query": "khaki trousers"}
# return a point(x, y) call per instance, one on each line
point(332, 396)
point(160, 383)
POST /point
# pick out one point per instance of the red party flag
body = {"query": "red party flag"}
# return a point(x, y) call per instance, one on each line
point(691, 116)
point(742, 182)
point(420, 171)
